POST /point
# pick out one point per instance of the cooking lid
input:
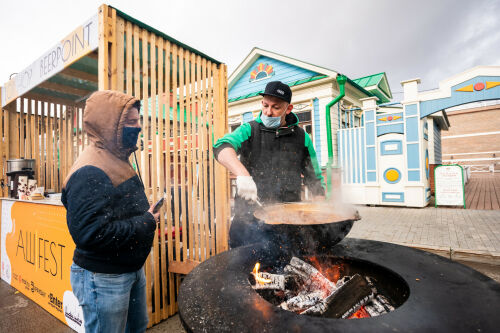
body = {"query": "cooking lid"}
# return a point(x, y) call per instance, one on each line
point(305, 213)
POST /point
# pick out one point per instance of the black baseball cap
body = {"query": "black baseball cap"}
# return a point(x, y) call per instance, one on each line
point(278, 89)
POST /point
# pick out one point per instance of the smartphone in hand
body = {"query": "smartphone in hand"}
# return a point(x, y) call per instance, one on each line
point(158, 205)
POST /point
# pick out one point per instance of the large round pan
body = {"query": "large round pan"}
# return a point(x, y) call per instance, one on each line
point(307, 228)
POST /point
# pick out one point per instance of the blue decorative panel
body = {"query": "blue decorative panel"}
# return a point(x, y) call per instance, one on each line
point(370, 134)
point(393, 197)
point(413, 156)
point(390, 119)
point(386, 129)
point(462, 97)
point(371, 176)
point(412, 129)
point(428, 193)
point(411, 110)
point(392, 175)
point(391, 147)
point(316, 132)
point(370, 158)
point(425, 131)
point(414, 176)
point(284, 72)
point(247, 116)
point(363, 153)
point(369, 115)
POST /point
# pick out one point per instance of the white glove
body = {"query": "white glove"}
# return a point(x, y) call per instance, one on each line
point(246, 187)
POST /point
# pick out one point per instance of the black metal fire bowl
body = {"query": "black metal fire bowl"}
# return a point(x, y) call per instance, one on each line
point(444, 296)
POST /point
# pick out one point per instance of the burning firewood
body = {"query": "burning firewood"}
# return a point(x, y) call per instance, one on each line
point(302, 301)
point(276, 281)
point(312, 279)
point(353, 294)
point(378, 305)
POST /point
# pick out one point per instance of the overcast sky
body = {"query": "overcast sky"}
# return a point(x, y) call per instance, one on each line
point(432, 40)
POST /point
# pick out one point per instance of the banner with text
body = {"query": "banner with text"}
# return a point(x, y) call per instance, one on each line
point(77, 44)
point(37, 252)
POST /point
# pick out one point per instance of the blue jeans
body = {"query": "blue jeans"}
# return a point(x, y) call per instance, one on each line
point(111, 302)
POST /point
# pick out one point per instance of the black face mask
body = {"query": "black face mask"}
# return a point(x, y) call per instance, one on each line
point(130, 136)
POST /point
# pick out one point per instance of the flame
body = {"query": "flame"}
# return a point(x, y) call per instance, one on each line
point(332, 272)
point(259, 278)
point(361, 313)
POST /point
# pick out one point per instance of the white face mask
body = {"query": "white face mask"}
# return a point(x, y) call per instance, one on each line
point(270, 122)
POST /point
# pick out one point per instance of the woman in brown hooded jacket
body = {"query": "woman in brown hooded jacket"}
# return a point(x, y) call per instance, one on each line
point(108, 218)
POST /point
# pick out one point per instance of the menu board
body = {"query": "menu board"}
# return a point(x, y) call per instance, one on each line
point(449, 185)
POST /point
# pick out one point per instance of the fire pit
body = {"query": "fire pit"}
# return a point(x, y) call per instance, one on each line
point(428, 292)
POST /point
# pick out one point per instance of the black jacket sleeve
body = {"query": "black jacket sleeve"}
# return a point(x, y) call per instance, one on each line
point(90, 203)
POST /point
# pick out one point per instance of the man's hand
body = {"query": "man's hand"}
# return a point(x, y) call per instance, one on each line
point(246, 188)
point(155, 215)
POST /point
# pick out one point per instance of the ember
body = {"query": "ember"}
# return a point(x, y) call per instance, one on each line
point(303, 289)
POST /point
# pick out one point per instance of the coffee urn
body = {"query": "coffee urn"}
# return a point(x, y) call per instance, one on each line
point(18, 168)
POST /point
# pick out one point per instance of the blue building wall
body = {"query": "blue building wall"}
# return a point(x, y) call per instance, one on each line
point(461, 97)
point(282, 72)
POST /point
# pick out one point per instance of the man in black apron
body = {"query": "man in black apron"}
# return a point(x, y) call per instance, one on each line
point(275, 153)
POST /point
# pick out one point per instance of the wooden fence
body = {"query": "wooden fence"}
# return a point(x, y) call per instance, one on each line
point(184, 109)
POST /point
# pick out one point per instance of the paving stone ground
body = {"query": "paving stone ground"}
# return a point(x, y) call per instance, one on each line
point(462, 233)
point(468, 236)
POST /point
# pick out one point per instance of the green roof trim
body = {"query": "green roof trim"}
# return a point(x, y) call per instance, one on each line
point(370, 80)
point(161, 34)
point(380, 81)
point(291, 84)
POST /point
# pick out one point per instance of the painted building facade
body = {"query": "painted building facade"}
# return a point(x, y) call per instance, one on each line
point(313, 87)
point(388, 160)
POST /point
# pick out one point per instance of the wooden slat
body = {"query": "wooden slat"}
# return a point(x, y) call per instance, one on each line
point(204, 158)
point(2, 150)
point(145, 155)
point(50, 148)
point(161, 159)
point(62, 151)
point(182, 156)
point(199, 180)
point(154, 172)
point(120, 53)
point(189, 152)
point(29, 141)
point(184, 267)
point(21, 126)
point(168, 163)
point(128, 47)
point(50, 99)
point(212, 68)
point(112, 49)
point(175, 152)
point(93, 55)
point(65, 89)
point(103, 48)
point(77, 74)
point(222, 174)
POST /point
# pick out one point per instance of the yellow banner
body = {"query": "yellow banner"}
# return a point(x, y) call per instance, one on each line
point(37, 252)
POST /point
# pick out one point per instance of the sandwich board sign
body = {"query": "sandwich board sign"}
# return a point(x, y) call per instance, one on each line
point(449, 185)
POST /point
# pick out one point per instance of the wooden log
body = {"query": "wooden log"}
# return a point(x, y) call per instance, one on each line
point(277, 281)
point(347, 299)
point(312, 279)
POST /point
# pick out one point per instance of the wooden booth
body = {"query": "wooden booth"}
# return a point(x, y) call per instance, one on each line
point(184, 109)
